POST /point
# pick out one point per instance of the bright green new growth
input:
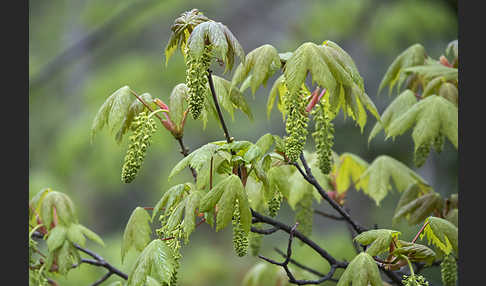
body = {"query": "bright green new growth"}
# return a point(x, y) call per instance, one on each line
point(196, 80)
point(140, 140)
point(324, 136)
point(448, 270)
point(274, 203)
point(304, 214)
point(137, 232)
point(361, 271)
point(296, 124)
point(240, 237)
point(414, 280)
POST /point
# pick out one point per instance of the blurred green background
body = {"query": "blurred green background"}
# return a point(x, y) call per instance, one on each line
point(81, 51)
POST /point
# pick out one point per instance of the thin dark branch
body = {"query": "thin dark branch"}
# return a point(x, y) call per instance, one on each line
point(288, 259)
point(308, 269)
point(102, 262)
point(331, 216)
point(218, 109)
point(261, 218)
point(102, 279)
point(185, 152)
point(312, 180)
point(264, 231)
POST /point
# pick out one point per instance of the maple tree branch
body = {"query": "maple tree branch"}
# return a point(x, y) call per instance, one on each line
point(218, 109)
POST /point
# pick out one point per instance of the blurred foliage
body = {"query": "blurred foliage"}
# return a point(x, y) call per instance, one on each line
point(62, 107)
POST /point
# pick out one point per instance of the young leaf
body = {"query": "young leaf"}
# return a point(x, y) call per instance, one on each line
point(442, 234)
point(135, 108)
point(432, 117)
point(278, 88)
point(265, 142)
point(263, 62)
point(157, 261)
point(230, 98)
point(63, 206)
point(56, 237)
point(378, 240)
point(376, 180)
point(433, 70)
point(192, 203)
point(113, 111)
point(361, 271)
point(181, 29)
point(177, 104)
point(137, 232)
point(399, 106)
point(196, 159)
point(418, 209)
point(415, 252)
point(348, 170)
point(224, 44)
point(170, 198)
point(412, 56)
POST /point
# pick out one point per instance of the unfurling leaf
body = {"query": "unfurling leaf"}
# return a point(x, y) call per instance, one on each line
point(113, 111)
point(378, 240)
point(442, 234)
point(412, 56)
point(415, 252)
point(157, 261)
point(416, 204)
point(263, 62)
point(361, 271)
point(181, 29)
point(348, 170)
point(137, 232)
point(57, 206)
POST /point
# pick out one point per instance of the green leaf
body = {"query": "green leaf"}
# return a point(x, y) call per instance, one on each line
point(254, 190)
point(75, 234)
point(418, 209)
point(432, 117)
point(137, 232)
point(450, 92)
point(152, 282)
point(56, 237)
point(91, 235)
point(244, 206)
point(348, 171)
point(308, 58)
point(278, 88)
point(441, 233)
point(453, 49)
point(265, 274)
point(433, 70)
point(361, 271)
point(63, 206)
point(225, 45)
point(113, 111)
point(378, 240)
point(415, 252)
point(432, 87)
point(157, 261)
point(170, 198)
point(196, 159)
point(35, 205)
point(230, 98)
point(181, 29)
point(135, 108)
point(177, 106)
point(192, 203)
point(412, 56)
point(262, 62)
point(265, 142)
point(399, 106)
point(376, 180)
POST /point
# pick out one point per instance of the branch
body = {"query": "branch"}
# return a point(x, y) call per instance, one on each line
point(287, 260)
point(218, 109)
point(99, 261)
point(280, 226)
point(331, 216)
point(312, 180)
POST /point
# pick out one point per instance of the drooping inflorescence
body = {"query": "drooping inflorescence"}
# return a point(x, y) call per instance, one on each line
point(240, 238)
point(323, 136)
point(274, 203)
point(448, 269)
point(414, 280)
point(196, 80)
point(296, 124)
point(140, 140)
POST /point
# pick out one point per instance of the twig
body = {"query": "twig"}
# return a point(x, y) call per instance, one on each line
point(264, 231)
point(331, 216)
point(308, 269)
point(102, 262)
point(216, 104)
point(287, 260)
point(102, 279)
